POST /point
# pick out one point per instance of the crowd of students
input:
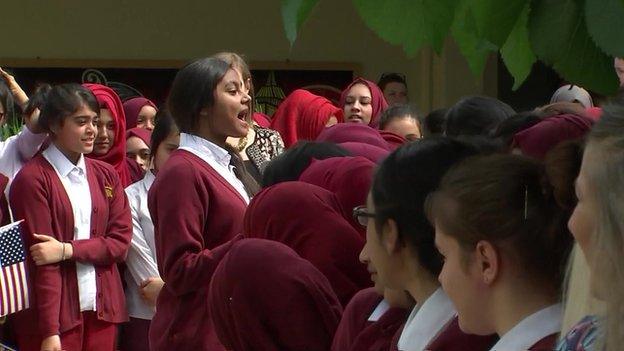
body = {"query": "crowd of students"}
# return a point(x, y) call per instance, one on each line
point(202, 225)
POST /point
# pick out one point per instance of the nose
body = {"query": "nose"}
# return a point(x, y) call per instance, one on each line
point(245, 97)
point(149, 125)
point(364, 254)
point(356, 106)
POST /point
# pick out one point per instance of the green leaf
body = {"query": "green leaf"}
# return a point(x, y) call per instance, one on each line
point(411, 24)
point(474, 49)
point(605, 25)
point(559, 37)
point(294, 13)
point(495, 19)
point(516, 53)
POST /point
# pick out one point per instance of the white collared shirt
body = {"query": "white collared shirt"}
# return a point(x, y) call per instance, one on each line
point(74, 179)
point(141, 261)
point(379, 311)
point(532, 329)
point(426, 321)
point(217, 157)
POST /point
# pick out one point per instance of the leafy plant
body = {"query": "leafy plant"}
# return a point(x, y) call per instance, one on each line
point(578, 38)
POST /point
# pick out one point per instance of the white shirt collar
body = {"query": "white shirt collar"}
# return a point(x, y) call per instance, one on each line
point(148, 179)
point(207, 148)
point(61, 163)
point(532, 329)
point(379, 311)
point(426, 321)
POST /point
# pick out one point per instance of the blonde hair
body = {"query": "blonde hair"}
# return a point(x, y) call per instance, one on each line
point(578, 300)
point(606, 181)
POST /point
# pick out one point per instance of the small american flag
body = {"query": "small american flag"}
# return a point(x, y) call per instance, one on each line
point(13, 284)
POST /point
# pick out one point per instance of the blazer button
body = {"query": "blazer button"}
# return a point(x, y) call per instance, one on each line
point(101, 314)
point(100, 295)
point(93, 232)
point(100, 275)
point(95, 210)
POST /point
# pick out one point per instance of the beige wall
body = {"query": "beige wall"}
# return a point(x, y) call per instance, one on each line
point(166, 33)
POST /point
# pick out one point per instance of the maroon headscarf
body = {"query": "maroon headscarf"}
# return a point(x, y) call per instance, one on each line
point(349, 178)
point(544, 136)
point(310, 220)
point(378, 101)
point(132, 108)
point(261, 119)
point(302, 116)
point(394, 140)
point(142, 134)
point(371, 152)
point(353, 132)
point(263, 296)
point(116, 156)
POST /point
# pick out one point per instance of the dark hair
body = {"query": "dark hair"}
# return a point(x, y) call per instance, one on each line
point(37, 99)
point(193, 89)
point(6, 98)
point(62, 101)
point(289, 165)
point(398, 111)
point(403, 182)
point(510, 201)
point(434, 123)
point(476, 115)
point(507, 128)
point(390, 78)
point(163, 128)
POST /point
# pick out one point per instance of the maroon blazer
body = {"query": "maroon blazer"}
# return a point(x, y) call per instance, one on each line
point(451, 338)
point(546, 344)
point(194, 210)
point(38, 196)
point(356, 333)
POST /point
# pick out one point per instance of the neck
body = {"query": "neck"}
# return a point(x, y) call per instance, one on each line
point(207, 134)
point(515, 304)
point(422, 287)
point(72, 156)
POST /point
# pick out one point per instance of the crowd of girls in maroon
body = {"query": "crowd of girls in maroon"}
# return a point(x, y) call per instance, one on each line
point(201, 225)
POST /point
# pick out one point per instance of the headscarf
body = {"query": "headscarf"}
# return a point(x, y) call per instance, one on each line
point(132, 108)
point(142, 134)
point(263, 296)
point(371, 152)
point(349, 178)
point(311, 221)
point(261, 119)
point(378, 101)
point(394, 140)
point(545, 135)
point(573, 93)
point(303, 116)
point(116, 156)
point(353, 132)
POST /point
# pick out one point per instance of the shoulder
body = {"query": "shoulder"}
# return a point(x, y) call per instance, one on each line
point(102, 168)
point(33, 171)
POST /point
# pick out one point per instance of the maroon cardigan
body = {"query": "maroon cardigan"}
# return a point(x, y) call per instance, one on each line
point(356, 333)
point(194, 210)
point(38, 196)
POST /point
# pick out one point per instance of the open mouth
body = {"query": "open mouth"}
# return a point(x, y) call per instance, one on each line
point(243, 115)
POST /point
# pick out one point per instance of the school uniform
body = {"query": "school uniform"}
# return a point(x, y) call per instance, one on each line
point(537, 332)
point(81, 299)
point(140, 265)
point(368, 323)
point(196, 204)
point(433, 326)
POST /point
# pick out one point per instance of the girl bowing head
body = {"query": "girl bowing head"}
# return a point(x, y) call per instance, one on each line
point(78, 228)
